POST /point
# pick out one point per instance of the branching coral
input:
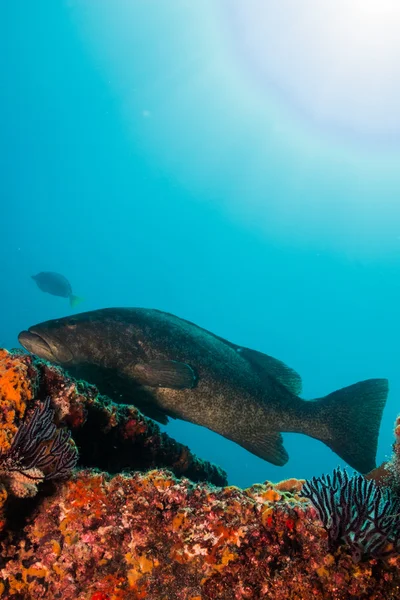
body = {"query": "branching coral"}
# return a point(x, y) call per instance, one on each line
point(357, 513)
point(39, 451)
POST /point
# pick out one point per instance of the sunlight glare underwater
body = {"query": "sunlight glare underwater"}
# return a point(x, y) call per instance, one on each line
point(336, 60)
point(282, 115)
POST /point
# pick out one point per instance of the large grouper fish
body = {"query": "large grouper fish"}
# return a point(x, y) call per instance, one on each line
point(169, 367)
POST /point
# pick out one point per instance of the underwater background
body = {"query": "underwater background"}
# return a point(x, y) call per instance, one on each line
point(234, 163)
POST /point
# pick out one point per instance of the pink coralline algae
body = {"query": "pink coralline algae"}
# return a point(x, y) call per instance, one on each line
point(154, 534)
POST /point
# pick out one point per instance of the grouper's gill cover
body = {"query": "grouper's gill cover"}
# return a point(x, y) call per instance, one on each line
point(170, 367)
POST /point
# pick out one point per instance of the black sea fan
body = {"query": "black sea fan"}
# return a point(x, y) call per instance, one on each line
point(357, 513)
point(39, 451)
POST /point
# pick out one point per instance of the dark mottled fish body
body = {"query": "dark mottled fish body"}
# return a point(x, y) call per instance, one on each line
point(170, 367)
point(56, 285)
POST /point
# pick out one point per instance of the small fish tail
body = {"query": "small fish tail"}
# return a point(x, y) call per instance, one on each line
point(75, 300)
point(352, 417)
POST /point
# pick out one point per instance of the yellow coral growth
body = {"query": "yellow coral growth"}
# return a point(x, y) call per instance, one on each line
point(56, 547)
point(34, 572)
point(267, 516)
point(285, 491)
point(141, 566)
point(226, 557)
point(272, 496)
point(323, 573)
point(290, 485)
point(15, 392)
point(179, 520)
point(59, 570)
point(160, 482)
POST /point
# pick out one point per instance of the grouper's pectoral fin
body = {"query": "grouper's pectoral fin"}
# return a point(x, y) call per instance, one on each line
point(269, 447)
point(165, 373)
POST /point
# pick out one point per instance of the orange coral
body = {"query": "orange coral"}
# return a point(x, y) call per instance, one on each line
point(290, 485)
point(16, 390)
point(86, 499)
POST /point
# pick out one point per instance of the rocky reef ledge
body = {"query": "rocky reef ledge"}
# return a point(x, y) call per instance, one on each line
point(108, 528)
point(112, 437)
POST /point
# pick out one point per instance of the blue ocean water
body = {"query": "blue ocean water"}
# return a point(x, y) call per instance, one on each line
point(170, 155)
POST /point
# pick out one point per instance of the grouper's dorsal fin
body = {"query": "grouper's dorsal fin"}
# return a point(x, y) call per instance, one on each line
point(164, 373)
point(274, 368)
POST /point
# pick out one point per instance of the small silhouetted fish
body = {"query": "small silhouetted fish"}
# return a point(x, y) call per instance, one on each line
point(57, 285)
point(170, 367)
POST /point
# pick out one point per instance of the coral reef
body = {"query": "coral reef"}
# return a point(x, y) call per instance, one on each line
point(388, 473)
point(151, 535)
point(156, 537)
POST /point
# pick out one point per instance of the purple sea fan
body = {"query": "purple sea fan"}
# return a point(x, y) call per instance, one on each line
point(39, 451)
point(356, 513)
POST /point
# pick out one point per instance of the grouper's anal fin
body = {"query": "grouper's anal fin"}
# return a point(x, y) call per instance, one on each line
point(266, 446)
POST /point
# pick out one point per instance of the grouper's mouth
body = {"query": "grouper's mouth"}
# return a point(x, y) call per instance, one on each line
point(44, 348)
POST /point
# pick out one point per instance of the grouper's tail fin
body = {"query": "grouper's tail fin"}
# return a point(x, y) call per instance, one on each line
point(353, 417)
